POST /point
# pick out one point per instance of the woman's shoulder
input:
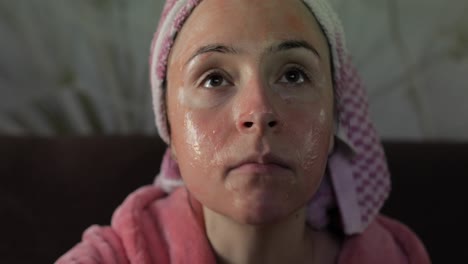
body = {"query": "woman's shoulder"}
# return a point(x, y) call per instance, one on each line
point(149, 226)
point(151, 203)
point(132, 235)
point(157, 227)
point(121, 242)
point(385, 240)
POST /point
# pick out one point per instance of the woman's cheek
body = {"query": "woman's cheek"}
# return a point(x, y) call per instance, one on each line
point(316, 142)
point(312, 141)
point(204, 134)
point(194, 138)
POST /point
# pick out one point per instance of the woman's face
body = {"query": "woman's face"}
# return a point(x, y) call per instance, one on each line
point(249, 102)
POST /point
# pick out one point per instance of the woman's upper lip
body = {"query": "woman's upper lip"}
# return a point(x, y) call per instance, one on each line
point(266, 159)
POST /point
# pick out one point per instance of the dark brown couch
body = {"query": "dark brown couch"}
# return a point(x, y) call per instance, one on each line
point(51, 189)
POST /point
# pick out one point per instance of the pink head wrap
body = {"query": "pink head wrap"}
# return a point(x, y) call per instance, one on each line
point(358, 181)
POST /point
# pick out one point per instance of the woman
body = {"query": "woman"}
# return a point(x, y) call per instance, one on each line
point(272, 157)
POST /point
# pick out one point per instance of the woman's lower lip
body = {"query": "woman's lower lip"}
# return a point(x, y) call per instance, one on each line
point(258, 168)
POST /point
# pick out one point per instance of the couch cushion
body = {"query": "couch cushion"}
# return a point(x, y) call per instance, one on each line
point(51, 189)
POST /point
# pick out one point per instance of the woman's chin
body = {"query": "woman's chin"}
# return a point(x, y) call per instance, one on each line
point(262, 208)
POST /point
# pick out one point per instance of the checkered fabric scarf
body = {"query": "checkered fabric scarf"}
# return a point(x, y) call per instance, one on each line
point(357, 182)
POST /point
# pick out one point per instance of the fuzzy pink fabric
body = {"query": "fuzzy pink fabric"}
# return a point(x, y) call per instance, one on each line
point(153, 227)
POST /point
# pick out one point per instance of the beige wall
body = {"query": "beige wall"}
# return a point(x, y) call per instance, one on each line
point(413, 55)
point(80, 67)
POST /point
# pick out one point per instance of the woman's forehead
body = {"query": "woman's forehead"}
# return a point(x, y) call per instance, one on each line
point(249, 24)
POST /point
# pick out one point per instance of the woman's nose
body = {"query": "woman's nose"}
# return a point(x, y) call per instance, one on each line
point(256, 110)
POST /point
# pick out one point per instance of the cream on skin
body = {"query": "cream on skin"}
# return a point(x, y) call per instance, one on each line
point(250, 107)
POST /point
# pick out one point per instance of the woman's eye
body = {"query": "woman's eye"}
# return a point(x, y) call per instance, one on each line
point(294, 76)
point(214, 80)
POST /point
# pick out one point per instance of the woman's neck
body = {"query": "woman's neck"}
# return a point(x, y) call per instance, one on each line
point(288, 241)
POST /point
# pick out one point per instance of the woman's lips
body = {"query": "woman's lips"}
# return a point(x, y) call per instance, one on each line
point(259, 168)
point(261, 164)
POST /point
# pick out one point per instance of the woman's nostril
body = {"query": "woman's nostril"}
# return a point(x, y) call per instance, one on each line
point(248, 124)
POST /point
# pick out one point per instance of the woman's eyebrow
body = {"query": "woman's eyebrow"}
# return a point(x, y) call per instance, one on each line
point(212, 48)
point(282, 46)
point(293, 44)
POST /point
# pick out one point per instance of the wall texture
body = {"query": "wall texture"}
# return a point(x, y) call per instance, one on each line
point(413, 55)
point(80, 67)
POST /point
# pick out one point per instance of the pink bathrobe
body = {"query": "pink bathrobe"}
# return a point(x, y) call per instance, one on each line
point(153, 227)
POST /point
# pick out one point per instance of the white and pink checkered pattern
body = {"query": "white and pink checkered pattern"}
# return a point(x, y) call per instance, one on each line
point(358, 182)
